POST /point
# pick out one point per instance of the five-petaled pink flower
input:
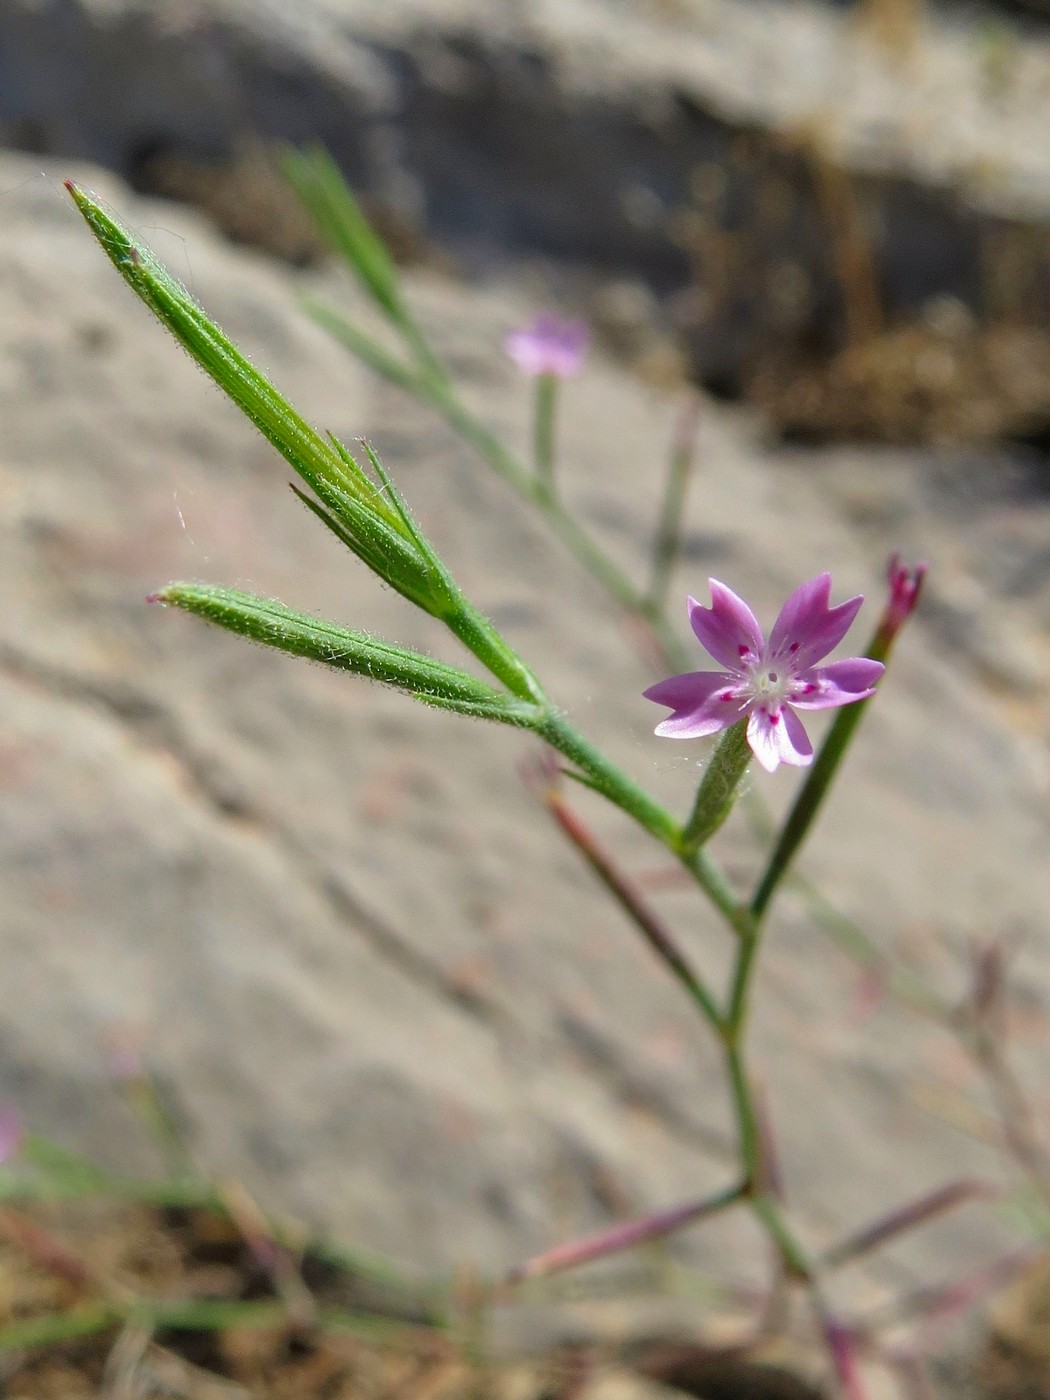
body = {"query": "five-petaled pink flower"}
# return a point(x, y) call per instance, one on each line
point(549, 346)
point(12, 1134)
point(766, 681)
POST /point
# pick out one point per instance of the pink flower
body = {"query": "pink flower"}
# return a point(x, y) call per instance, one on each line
point(125, 1055)
point(549, 346)
point(766, 681)
point(12, 1133)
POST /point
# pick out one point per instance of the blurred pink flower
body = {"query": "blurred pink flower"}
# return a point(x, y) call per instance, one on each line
point(766, 681)
point(549, 346)
point(123, 1045)
point(12, 1132)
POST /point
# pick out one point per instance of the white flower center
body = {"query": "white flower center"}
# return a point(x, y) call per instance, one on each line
point(770, 682)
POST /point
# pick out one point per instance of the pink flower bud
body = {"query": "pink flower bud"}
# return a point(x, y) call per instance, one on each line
point(905, 586)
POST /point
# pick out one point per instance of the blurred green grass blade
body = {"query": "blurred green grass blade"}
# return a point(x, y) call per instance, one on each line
point(368, 350)
point(64, 1170)
point(192, 1315)
point(439, 395)
point(328, 199)
point(52, 1329)
point(318, 181)
point(425, 678)
point(311, 455)
point(50, 1173)
point(1027, 1210)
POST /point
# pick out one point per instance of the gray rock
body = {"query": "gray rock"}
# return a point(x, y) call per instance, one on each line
point(752, 143)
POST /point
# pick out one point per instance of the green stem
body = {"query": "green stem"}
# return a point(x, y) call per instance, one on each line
point(741, 983)
point(744, 1110)
point(506, 465)
point(794, 1255)
point(762, 1202)
point(605, 777)
point(717, 790)
point(712, 880)
point(808, 803)
point(479, 636)
point(730, 1027)
point(818, 780)
point(848, 935)
point(669, 529)
point(147, 1101)
point(563, 524)
point(543, 432)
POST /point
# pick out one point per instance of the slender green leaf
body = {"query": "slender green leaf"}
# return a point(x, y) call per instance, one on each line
point(411, 528)
point(427, 679)
point(311, 455)
point(464, 620)
point(373, 521)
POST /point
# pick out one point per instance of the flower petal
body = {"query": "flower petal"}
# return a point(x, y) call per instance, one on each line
point(802, 611)
point(549, 346)
point(838, 683)
point(778, 736)
point(728, 629)
point(795, 745)
point(528, 354)
point(566, 351)
point(762, 736)
point(703, 703)
point(807, 628)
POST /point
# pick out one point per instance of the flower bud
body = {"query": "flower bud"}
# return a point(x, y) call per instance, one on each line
point(905, 583)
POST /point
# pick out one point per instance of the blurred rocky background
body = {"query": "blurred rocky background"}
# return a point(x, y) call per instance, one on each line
point(374, 985)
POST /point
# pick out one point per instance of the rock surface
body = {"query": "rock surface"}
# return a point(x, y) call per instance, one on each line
point(935, 107)
point(379, 988)
point(770, 150)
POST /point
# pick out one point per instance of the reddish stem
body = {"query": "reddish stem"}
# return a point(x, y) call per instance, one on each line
point(907, 1217)
point(621, 1237)
point(842, 1347)
point(543, 778)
